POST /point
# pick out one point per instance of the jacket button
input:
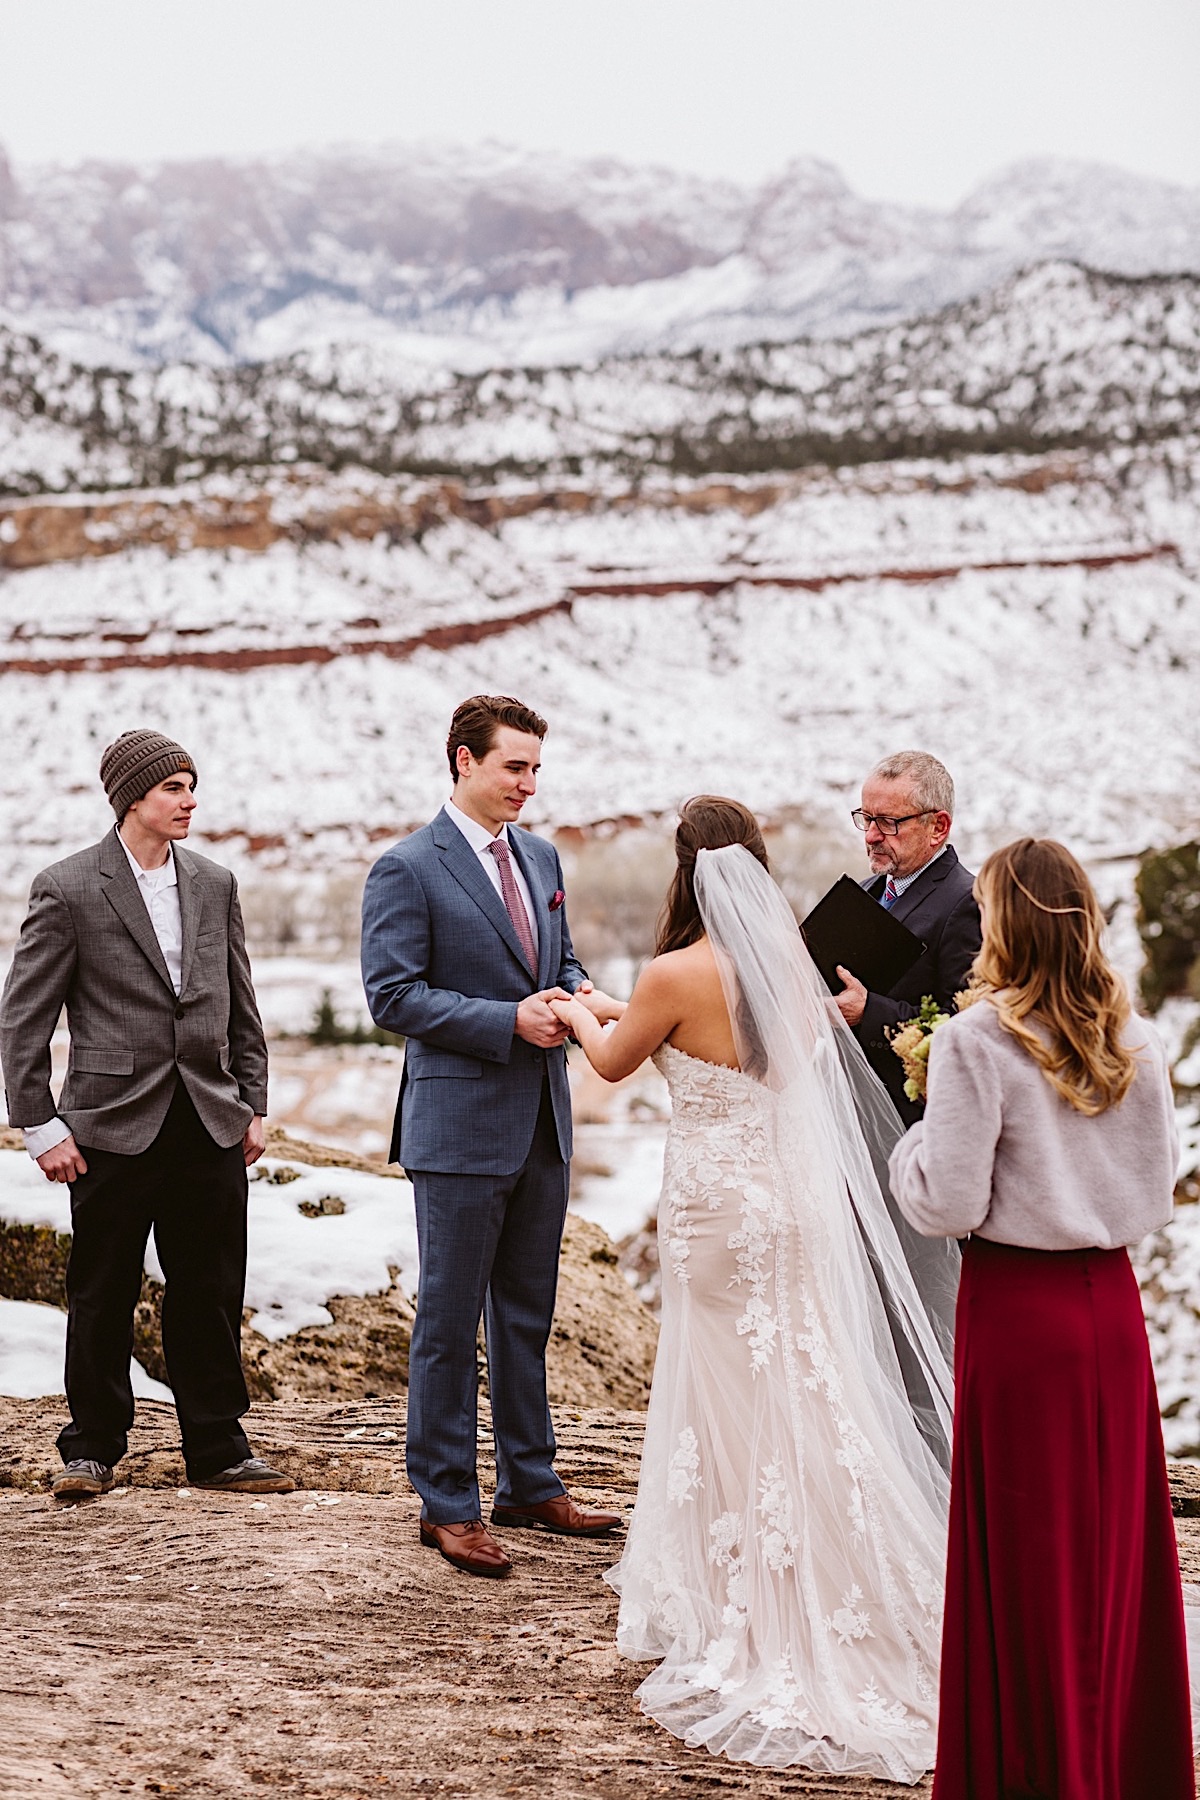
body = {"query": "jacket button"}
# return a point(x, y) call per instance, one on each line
point(179, 1012)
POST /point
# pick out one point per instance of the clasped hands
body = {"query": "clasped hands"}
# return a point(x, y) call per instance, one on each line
point(544, 1018)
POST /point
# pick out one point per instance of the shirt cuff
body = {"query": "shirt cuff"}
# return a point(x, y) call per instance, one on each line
point(40, 1138)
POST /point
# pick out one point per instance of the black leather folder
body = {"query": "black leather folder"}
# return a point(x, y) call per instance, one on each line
point(847, 926)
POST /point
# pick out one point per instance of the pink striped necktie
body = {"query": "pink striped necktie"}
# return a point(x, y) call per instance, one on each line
point(513, 901)
point(890, 895)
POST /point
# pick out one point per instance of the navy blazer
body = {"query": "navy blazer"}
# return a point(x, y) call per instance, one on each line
point(940, 908)
point(442, 966)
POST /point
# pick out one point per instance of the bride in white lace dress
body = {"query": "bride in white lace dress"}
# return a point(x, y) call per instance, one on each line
point(785, 1558)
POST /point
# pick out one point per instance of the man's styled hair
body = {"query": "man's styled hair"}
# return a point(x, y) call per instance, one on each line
point(928, 780)
point(477, 720)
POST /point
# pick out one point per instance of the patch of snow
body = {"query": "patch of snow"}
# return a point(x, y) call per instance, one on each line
point(33, 1347)
point(295, 1263)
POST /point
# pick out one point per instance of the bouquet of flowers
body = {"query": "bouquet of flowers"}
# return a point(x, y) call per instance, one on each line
point(911, 1043)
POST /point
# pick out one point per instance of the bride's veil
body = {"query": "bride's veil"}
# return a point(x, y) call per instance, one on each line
point(891, 1290)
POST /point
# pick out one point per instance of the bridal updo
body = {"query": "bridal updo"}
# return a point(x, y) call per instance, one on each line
point(708, 822)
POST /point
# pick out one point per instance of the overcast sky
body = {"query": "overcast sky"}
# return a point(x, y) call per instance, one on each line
point(912, 99)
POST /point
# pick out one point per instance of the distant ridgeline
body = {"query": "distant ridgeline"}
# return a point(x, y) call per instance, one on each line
point(1056, 357)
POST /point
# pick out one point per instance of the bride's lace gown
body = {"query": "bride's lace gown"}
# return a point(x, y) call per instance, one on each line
point(786, 1551)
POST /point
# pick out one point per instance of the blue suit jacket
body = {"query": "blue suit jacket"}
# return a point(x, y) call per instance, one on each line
point(442, 966)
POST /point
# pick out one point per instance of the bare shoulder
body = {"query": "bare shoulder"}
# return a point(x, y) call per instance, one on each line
point(677, 969)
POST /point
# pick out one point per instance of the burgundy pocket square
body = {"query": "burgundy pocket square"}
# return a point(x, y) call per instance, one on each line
point(556, 899)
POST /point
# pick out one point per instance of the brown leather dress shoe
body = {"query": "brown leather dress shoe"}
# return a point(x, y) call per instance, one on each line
point(560, 1514)
point(469, 1546)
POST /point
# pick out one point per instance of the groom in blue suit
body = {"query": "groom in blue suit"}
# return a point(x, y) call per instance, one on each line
point(464, 943)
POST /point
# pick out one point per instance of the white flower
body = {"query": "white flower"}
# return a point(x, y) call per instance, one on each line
point(851, 1622)
point(683, 1471)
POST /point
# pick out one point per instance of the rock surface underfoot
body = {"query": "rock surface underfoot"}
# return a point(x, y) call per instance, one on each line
point(168, 1641)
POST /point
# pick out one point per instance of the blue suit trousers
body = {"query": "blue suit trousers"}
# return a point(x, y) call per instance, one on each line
point(489, 1245)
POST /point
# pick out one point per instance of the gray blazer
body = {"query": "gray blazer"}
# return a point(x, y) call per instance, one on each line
point(87, 944)
point(442, 965)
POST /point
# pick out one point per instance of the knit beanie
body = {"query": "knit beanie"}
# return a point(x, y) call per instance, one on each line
point(138, 761)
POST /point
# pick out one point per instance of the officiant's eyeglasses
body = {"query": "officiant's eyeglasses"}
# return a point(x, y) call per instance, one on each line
point(885, 822)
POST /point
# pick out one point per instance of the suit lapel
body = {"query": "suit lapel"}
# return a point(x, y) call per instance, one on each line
point(121, 891)
point(923, 886)
point(522, 852)
point(190, 907)
point(464, 865)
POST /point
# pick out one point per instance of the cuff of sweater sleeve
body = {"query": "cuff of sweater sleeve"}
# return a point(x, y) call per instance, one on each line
point(40, 1138)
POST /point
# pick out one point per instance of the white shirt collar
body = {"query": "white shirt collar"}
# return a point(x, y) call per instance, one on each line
point(164, 877)
point(477, 835)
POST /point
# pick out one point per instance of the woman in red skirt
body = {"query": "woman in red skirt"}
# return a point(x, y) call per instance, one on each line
point(1049, 1142)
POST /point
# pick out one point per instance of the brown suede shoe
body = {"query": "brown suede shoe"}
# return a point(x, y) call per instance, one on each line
point(469, 1546)
point(560, 1514)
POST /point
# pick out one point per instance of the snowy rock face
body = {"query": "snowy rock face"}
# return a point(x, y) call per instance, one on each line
point(1034, 621)
point(462, 258)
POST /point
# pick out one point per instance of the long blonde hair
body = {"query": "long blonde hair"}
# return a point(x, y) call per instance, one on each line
point(1042, 964)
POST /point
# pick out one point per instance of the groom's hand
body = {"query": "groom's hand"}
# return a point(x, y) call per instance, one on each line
point(537, 1021)
point(852, 1001)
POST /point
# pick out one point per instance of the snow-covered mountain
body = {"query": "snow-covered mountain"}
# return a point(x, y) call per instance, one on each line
point(1057, 356)
point(750, 568)
point(463, 258)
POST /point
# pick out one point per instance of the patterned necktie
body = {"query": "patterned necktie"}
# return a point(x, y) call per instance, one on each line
point(512, 900)
point(890, 896)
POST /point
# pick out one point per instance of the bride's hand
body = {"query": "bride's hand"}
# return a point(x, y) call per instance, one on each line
point(562, 1009)
point(602, 1006)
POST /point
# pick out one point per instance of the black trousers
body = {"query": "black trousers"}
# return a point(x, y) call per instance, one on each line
point(193, 1194)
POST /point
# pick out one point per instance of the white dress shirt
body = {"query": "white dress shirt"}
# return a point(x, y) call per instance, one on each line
point(159, 889)
point(480, 838)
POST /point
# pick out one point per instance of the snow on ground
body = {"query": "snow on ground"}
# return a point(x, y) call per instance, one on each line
point(1168, 1268)
point(358, 1228)
point(33, 1347)
point(617, 1174)
point(297, 1262)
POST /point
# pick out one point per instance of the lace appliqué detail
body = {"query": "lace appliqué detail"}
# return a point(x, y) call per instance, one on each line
point(851, 1622)
point(704, 1170)
point(683, 1477)
point(890, 1716)
point(778, 1542)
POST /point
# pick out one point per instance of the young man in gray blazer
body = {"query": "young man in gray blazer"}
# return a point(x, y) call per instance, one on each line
point(464, 939)
point(159, 1117)
point(906, 814)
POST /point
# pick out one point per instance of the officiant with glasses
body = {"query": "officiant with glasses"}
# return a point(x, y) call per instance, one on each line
point(906, 816)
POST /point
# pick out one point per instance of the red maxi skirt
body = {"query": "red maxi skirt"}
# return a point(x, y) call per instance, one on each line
point(1064, 1667)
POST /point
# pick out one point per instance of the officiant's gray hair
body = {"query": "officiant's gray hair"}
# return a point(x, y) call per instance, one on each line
point(928, 780)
